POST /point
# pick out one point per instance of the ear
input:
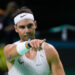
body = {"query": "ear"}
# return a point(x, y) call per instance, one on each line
point(15, 27)
point(35, 23)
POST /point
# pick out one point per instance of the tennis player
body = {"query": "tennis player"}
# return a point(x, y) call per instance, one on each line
point(31, 56)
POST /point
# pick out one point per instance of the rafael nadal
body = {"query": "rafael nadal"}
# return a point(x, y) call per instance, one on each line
point(31, 56)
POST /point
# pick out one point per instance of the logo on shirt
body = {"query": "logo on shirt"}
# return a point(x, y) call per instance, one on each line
point(41, 55)
point(20, 62)
point(38, 64)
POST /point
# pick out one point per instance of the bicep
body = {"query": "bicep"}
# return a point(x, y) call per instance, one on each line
point(57, 68)
point(56, 65)
point(10, 52)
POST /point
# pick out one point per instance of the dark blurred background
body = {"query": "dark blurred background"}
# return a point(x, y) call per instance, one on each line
point(56, 23)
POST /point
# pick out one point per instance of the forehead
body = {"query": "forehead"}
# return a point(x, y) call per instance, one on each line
point(25, 22)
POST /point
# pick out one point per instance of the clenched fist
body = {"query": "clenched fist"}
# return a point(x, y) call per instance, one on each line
point(36, 43)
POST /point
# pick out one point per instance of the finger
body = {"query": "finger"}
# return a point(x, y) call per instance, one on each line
point(31, 43)
point(38, 44)
point(35, 43)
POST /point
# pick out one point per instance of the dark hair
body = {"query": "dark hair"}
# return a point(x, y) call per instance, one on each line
point(22, 10)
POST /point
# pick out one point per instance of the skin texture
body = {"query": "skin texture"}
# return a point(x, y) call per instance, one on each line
point(25, 33)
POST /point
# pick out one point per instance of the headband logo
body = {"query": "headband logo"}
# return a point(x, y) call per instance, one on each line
point(22, 16)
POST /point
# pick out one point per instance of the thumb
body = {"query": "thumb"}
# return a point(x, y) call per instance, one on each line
point(43, 41)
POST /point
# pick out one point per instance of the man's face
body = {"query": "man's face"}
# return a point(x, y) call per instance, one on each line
point(26, 29)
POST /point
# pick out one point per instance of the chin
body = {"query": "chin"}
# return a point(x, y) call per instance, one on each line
point(26, 38)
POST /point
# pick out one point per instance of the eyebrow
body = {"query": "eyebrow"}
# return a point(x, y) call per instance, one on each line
point(28, 25)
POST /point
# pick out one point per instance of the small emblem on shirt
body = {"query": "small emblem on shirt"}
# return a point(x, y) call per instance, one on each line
point(38, 64)
point(20, 62)
point(41, 55)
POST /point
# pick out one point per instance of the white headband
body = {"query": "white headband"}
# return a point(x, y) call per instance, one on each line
point(23, 16)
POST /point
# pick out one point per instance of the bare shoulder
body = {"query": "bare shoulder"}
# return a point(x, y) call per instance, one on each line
point(51, 51)
point(7, 48)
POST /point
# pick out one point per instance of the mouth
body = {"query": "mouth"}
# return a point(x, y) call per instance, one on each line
point(27, 35)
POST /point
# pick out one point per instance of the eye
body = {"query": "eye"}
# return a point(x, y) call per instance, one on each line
point(30, 25)
point(21, 27)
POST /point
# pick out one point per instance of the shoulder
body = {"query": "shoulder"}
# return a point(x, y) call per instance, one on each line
point(8, 47)
point(49, 48)
point(51, 52)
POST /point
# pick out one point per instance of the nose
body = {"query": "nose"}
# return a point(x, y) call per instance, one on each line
point(26, 30)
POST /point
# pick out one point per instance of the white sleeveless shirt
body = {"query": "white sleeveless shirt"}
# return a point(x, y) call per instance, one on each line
point(25, 66)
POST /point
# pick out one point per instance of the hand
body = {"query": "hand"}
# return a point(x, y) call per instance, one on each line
point(36, 43)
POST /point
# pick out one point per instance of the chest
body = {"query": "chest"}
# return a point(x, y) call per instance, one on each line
point(38, 63)
point(37, 66)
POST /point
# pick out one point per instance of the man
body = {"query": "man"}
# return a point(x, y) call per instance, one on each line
point(30, 56)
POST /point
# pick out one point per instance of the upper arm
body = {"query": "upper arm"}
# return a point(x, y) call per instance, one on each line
point(54, 61)
point(6, 50)
point(10, 51)
point(56, 65)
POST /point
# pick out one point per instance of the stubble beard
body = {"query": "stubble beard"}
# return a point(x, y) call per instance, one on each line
point(26, 37)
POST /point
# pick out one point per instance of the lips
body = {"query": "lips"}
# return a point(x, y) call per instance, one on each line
point(25, 34)
point(28, 34)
